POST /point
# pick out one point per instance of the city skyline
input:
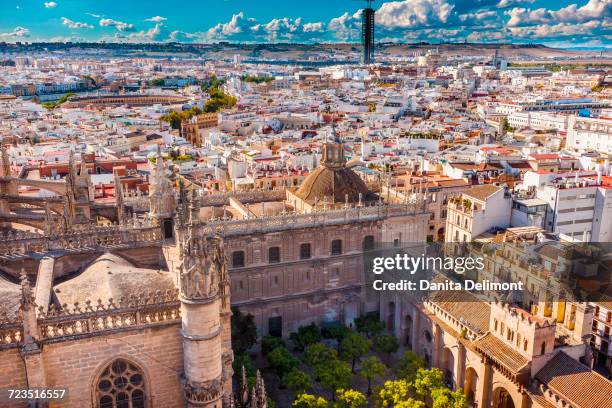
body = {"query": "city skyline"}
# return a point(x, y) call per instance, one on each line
point(563, 24)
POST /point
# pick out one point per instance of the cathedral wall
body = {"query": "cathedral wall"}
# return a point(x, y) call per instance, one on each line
point(286, 288)
point(341, 306)
point(13, 373)
point(76, 364)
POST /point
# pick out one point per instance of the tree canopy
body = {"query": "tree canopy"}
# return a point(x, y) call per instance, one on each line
point(309, 401)
point(244, 331)
point(305, 336)
point(353, 347)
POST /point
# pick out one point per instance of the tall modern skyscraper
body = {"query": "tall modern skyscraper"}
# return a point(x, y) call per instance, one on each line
point(367, 33)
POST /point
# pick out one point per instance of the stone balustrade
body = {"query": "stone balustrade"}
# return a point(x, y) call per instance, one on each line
point(88, 319)
point(18, 243)
point(322, 218)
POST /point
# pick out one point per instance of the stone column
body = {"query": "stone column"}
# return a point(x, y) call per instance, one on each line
point(30, 349)
point(483, 388)
point(460, 366)
point(201, 290)
point(437, 341)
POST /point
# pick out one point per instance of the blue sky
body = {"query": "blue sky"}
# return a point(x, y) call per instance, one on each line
point(563, 23)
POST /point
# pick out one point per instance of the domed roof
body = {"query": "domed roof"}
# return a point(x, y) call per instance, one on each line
point(333, 184)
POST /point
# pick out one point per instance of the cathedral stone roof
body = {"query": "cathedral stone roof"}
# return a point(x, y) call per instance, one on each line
point(10, 293)
point(111, 276)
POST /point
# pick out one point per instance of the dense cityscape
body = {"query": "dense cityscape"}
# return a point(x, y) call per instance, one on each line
point(236, 224)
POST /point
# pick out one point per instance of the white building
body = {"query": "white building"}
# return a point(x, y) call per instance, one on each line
point(590, 134)
point(478, 210)
point(538, 121)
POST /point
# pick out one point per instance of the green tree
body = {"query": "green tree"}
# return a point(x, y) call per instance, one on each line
point(244, 331)
point(218, 100)
point(505, 126)
point(371, 368)
point(212, 82)
point(305, 336)
point(318, 353)
point(333, 374)
point(350, 399)
point(156, 82)
point(369, 325)
point(386, 343)
point(336, 331)
point(445, 398)
point(297, 381)
point(256, 79)
point(269, 343)
point(353, 347)
point(309, 401)
point(174, 118)
point(397, 393)
point(409, 365)
point(281, 361)
point(427, 381)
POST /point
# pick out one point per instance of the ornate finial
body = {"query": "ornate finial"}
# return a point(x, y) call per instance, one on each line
point(119, 199)
point(261, 401)
point(27, 296)
point(6, 162)
point(84, 170)
point(243, 393)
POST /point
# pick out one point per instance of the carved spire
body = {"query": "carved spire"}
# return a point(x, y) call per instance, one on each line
point(161, 190)
point(6, 162)
point(48, 219)
point(119, 200)
point(84, 171)
point(260, 399)
point(242, 399)
point(27, 296)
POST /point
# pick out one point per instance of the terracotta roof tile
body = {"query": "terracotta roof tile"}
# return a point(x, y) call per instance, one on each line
point(500, 351)
point(482, 192)
point(579, 385)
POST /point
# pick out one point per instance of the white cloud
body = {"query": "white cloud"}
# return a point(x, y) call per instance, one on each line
point(17, 32)
point(158, 33)
point(156, 19)
point(238, 24)
point(75, 24)
point(510, 3)
point(556, 30)
point(50, 4)
point(413, 13)
point(346, 27)
point(593, 10)
point(119, 25)
point(478, 16)
point(313, 27)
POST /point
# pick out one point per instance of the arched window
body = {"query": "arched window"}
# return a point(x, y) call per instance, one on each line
point(543, 348)
point(121, 385)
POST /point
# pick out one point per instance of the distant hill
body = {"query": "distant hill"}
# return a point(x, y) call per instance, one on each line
point(293, 51)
